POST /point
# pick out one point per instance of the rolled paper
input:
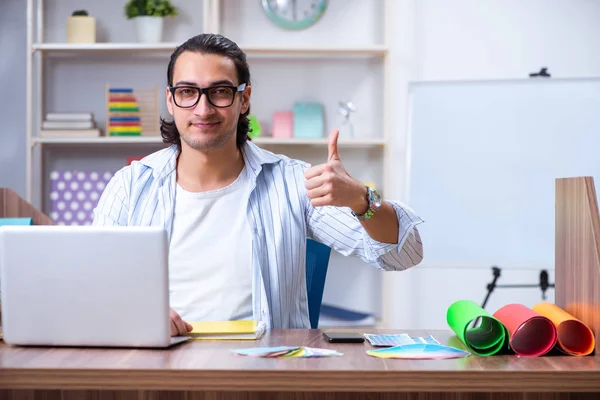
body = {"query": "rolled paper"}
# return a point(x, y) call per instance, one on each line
point(486, 339)
point(530, 334)
point(574, 337)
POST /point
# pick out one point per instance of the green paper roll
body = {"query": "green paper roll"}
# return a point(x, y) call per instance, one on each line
point(486, 339)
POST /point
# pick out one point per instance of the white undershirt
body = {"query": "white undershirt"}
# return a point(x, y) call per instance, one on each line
point(210, 254)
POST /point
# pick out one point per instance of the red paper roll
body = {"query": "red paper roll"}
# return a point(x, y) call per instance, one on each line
point(530, 334)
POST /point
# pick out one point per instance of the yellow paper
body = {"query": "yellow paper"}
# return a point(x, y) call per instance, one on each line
point(243, 329)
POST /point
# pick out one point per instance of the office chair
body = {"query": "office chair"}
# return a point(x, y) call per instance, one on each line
point(317, 261)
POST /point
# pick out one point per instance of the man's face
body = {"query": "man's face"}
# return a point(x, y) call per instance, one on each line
point(205, 127)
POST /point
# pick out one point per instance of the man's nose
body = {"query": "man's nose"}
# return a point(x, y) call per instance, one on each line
point(203, 107)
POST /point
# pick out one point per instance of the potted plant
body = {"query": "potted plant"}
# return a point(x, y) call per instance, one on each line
point(81, 28)
point(148, 16)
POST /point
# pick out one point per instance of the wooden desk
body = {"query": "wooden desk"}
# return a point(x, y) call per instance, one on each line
point(208, 370)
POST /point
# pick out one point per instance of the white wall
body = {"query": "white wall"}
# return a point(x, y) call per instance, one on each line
point(495, 39)
point(12, 102)
point(490, 39)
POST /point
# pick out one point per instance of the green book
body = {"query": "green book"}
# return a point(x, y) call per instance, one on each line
point(112, 133)
point(123, 109)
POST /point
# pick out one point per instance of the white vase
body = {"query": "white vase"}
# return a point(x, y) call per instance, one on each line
point(149, 29)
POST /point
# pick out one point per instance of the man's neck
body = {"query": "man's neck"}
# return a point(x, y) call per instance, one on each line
point(199, 171)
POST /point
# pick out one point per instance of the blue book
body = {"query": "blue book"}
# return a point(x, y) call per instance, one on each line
point(124, 119)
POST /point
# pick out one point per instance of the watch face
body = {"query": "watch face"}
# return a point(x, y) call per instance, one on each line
point(374, 197)
point(294, 14)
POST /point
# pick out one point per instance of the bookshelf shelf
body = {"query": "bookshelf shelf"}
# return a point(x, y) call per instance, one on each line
point(116, 140)
point(251, 50)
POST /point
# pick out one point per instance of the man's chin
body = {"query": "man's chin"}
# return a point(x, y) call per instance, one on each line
point(204, 143)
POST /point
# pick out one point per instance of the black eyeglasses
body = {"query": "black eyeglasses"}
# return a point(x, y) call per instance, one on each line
point(218, 96)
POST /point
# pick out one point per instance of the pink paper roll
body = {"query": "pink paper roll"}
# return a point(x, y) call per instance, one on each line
point(530, 334)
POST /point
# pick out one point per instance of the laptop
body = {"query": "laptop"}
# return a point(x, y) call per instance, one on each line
point(85, 286)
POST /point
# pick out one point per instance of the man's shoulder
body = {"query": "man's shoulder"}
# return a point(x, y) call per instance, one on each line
point(266, 157)
point(159, 160)
point(152, 166)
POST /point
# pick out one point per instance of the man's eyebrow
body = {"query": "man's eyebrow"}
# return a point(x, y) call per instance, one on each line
point(222, 82)
point(186, 83)
point(215, 83)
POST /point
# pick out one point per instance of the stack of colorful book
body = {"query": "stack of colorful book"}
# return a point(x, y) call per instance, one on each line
point(124, 117)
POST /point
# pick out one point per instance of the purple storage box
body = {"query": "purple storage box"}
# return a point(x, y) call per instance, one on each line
point(75, 194)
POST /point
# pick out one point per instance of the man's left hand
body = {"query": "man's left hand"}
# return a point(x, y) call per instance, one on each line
point(330, 184)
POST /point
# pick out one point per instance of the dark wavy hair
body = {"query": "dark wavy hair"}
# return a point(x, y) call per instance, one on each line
point(207, 43)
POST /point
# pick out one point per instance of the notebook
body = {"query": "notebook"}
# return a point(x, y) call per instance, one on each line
point(237, 330)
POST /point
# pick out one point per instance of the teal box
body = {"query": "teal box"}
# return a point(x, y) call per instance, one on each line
point(16, 221)
point(308, 120)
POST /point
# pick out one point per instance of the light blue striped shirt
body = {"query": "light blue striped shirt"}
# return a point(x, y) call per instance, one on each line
point(281, 218)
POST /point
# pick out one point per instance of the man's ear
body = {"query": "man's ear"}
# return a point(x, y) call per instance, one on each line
point(169, 99)
point(246, 99)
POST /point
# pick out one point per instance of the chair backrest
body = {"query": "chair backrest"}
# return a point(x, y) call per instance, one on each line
point(317, 261)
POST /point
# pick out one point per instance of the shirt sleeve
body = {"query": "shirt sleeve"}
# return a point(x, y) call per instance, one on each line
point(112, 208)
point(340, 230)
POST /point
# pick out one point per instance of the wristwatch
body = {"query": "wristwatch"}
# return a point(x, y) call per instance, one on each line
point(374, 200)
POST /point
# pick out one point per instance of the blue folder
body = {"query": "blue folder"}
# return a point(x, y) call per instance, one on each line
point(16, 221)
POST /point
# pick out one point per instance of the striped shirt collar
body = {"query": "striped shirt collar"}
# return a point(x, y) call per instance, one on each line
point(164, 162)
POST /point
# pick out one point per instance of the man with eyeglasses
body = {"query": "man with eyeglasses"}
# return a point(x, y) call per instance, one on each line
point(238, 216)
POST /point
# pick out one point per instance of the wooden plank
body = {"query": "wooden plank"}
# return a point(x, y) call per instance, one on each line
point(224, 395)
point(577, 257)
point(14, 206)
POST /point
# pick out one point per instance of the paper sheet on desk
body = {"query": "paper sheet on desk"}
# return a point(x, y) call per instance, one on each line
point(390, 340)
point(228, 330)
point(287, 352)
point(419, 351)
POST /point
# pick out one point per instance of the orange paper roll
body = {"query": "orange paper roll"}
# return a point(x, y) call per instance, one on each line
point(531, 334)
point(574, 337)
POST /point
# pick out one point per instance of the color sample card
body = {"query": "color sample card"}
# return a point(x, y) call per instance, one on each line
point(389, 340)
point(287, 352)
point(419, 351)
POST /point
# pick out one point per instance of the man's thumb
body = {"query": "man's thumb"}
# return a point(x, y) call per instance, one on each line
point(333, 153)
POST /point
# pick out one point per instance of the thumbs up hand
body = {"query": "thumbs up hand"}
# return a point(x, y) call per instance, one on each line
point(330, 184)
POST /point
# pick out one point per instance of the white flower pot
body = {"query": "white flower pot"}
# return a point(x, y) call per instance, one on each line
point(81, 29)
point(149, 29)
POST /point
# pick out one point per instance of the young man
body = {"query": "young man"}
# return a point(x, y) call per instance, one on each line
point(238, 216)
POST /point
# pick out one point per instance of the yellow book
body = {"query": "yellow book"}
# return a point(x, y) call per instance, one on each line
point(122, 104)
point(238, 330)
point(125, 128)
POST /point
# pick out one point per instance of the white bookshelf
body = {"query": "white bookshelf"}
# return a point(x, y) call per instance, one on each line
point(345, 57)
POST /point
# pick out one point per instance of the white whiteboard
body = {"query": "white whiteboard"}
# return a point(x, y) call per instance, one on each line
point(483, 161)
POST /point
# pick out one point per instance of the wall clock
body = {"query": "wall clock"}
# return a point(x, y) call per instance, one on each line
point(294, 14)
